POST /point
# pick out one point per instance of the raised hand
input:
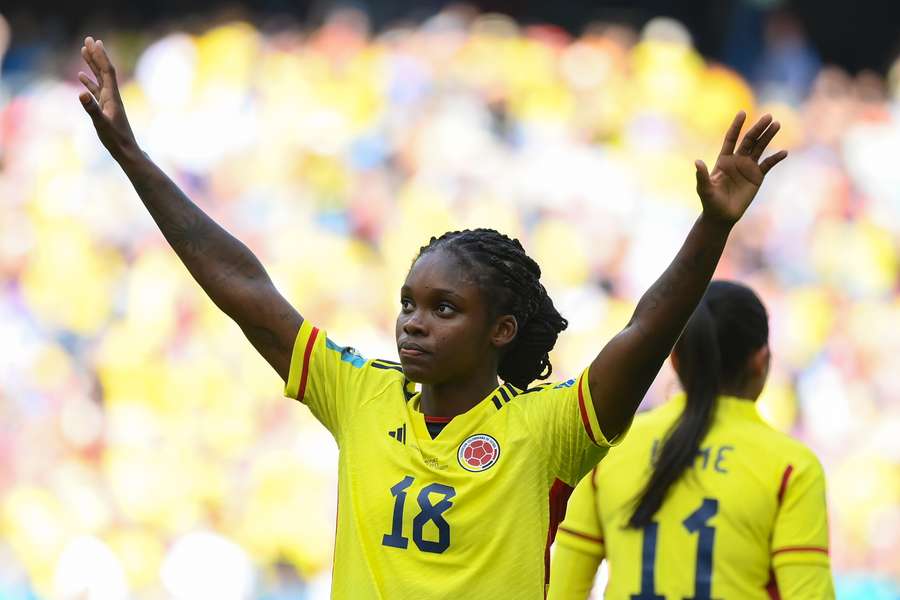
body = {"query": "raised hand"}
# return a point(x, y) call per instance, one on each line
point(103, 102)
point(736, 177)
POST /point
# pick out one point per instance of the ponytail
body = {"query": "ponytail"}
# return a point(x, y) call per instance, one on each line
point(729, 324)
point(699, 364)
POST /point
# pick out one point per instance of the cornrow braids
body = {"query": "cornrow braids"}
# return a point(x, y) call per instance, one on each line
point(510, 278)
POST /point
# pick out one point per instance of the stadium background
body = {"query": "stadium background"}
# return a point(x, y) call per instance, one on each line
point(145, 450)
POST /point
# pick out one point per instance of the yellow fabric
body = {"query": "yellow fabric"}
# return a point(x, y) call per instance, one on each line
point(572, 573)
point(751, 526)
point(412, 521)
point(804, 582)
point(575, 560)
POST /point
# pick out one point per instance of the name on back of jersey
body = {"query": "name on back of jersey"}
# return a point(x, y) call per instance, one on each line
point(714, 458)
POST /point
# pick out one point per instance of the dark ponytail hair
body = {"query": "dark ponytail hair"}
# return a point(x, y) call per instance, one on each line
point(511, 280)
point(729, 324)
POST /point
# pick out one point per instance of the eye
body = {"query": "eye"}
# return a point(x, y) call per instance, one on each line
point(405, 305)
point(444, 309)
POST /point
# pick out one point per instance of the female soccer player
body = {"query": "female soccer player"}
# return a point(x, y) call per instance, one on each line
point(730, 508)
point(454, 491)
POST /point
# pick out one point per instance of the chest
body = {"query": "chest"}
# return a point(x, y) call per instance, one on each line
point(436, 495)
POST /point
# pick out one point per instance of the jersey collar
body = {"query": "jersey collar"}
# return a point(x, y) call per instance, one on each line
point(726, 406)
point(463, 424)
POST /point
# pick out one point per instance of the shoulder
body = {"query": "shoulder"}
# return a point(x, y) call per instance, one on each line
point(383, 370)
point(389, 368)
point(784, 457)
point(537, 393)
point(543, 388)
point(375, 374)
point(655, 420)
point(352, 358)
point(537, 402)
point(784, 445)
point(347, 354)
point(390, 373)
point(794, 452)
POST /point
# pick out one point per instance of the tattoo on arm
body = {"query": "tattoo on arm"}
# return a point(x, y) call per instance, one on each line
point(183, 224)
point(678, 273)
point(244, 265)
point(212, 254)
point(274, 348)
point(233, 278)
point(266, 337)
point(192, 234)
point(263, 337)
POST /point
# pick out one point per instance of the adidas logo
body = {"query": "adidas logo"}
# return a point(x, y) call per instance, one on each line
point(399, 434)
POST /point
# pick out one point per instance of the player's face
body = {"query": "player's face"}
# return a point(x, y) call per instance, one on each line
point(443, 329)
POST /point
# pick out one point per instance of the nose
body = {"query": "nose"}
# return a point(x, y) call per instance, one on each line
point(413, 324)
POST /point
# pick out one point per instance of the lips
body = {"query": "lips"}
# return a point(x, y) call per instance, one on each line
point(410, 349)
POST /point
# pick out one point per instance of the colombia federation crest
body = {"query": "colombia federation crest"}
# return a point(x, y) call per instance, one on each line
point(478, 453)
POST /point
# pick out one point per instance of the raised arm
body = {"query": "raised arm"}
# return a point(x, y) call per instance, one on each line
point(225, 268)
point(625, 368)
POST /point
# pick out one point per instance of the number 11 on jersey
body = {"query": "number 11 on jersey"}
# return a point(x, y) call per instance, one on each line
point(696, 522)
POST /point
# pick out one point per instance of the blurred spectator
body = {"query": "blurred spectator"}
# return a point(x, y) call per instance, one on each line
point(788, 65)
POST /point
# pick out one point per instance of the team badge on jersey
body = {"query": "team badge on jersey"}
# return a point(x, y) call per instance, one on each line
point(478, 453)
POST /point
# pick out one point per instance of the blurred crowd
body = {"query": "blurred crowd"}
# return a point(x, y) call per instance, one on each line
point(145, 449)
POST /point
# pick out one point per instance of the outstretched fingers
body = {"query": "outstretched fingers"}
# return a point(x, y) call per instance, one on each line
point(89, 59)
point(90, 85)
point(103, 62)
point(703, 180)
point(731, 136)
point(753, 134)
point(95, 56)
point(764, 140)
point(766, 165)
point(91, 107)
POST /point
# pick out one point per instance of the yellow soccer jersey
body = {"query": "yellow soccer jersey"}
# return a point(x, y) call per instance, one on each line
point(753, 504)
point(469, 514)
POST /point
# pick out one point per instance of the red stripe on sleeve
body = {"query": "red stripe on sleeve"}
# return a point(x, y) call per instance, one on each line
point(801, 549)
point(784, 482)
point(772, 587)
point(584, 415)
point(583, 536)
point(772, 584)
point(304, 373)
point(559, 497)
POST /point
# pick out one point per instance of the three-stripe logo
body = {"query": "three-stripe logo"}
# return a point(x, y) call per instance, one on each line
point(399, 434)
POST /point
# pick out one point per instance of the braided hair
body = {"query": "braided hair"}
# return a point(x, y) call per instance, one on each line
point(510, 279)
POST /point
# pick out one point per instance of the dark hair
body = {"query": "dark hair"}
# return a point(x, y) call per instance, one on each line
point(729, 324)
point(511, 280)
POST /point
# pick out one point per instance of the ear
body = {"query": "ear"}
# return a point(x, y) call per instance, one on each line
point(759, 361)
point(504, 331)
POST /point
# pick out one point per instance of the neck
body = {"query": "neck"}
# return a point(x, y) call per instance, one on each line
point(456, 397)
point(749, 393)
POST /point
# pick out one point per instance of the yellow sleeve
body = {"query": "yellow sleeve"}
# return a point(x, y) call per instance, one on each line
point(579, 545)
point(326, 377)
point(572, 574)
point(800, 534)
point(562, 417)
point(581, 528)
point(802, 582)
